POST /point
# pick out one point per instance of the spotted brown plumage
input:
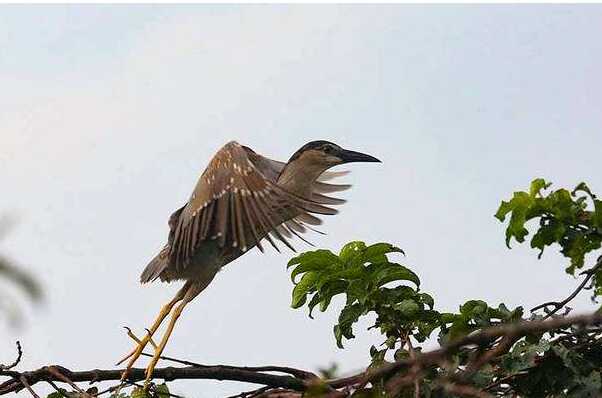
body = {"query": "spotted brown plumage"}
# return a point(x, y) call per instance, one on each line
point(241, 200)
point(238, 202)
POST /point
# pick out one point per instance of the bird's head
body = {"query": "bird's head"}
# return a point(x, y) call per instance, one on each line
point(328, 154)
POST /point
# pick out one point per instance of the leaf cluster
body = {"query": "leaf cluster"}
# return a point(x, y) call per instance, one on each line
point(155, 391)
point(570, 219)
point(371, 284)
point(564, 363)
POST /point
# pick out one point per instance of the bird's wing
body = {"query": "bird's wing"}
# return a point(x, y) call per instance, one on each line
point(236, 205)
point(271, 170)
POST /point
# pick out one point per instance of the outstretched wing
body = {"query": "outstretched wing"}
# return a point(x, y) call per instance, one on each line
point(235, 204)
point(271, 170)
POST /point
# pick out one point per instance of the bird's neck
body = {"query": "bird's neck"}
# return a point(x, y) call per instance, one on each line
point(298, 176)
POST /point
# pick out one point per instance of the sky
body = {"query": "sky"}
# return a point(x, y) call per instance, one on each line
point(108, 115)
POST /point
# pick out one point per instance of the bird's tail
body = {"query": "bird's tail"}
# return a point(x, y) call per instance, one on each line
point(157, 265)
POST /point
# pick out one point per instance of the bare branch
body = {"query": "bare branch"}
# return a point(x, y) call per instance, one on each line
point(56, 373)
point(167, 373)
point(558, 305)
point(16, 361)
point(23, 381)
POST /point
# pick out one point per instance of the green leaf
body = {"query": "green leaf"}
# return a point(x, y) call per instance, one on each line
point(338, 335)
point(503, 210)
point(537, 185)
point(357, 290)
point(315, 300)
point(374, 253)
point(582, 187)
point(547, 235)
point(139, 392)
point(314, 261)
point(57, 394)
point(322, 257)
point(597, 218)
point(351, 250)
point(408, 308)
point(427, 299)
point(330, 290)
point(459, 327)
point(349, 315)
point(162, 391)
point(472, 307)
point(305, 285)
point(516, 227)
point(395, 272)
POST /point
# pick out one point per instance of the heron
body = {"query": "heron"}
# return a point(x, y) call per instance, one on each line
point(242, 200)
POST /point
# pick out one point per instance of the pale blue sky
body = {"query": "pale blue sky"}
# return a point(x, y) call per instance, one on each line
point(109, 113)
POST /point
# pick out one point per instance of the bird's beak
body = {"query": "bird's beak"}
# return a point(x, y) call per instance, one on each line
point(353, 156)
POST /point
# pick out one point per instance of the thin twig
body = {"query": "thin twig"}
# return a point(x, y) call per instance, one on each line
point(23, 381)
point(176, 360)
point(56, 388)
point(155, 389)
point(299, 373)
point(110, 389)
point(558, 305)
point(501, 348)
point(465, 390)
point(55, 372)
point(16, 361)
point(250, 394)
point(503, 380)
point(413, 356)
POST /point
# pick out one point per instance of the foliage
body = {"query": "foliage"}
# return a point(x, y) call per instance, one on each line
point(155, 391)
point(370, 283)
point(566, 363)
point(564, 218)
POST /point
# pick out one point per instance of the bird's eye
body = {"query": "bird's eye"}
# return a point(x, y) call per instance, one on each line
point(329, 149)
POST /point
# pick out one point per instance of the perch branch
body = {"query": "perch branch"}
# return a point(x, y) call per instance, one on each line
point(298, 381)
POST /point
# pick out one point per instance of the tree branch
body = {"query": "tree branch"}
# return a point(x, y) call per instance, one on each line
point(167, 373)
point(558, 305)
point(298, 380)
point(16, 361)
point(484, 337)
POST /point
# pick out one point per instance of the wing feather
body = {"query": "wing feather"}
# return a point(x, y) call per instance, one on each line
point(238, 203)
point(239, 221)
point(324, 187)
point(251, 222)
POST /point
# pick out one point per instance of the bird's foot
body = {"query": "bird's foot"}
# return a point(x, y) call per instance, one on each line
point(137, 340)
point(137, 352)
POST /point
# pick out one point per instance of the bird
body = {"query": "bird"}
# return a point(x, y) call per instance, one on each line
point(241, 200)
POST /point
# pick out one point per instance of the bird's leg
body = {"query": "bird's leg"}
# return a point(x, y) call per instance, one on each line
point(192, 291)
point(165, 310)
point(159, 350)
point(146, 339)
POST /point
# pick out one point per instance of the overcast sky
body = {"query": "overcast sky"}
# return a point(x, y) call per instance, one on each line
point(108, 114)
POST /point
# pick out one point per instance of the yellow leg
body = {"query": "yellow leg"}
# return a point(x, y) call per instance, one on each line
point(165, 310)
point(159, 350)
